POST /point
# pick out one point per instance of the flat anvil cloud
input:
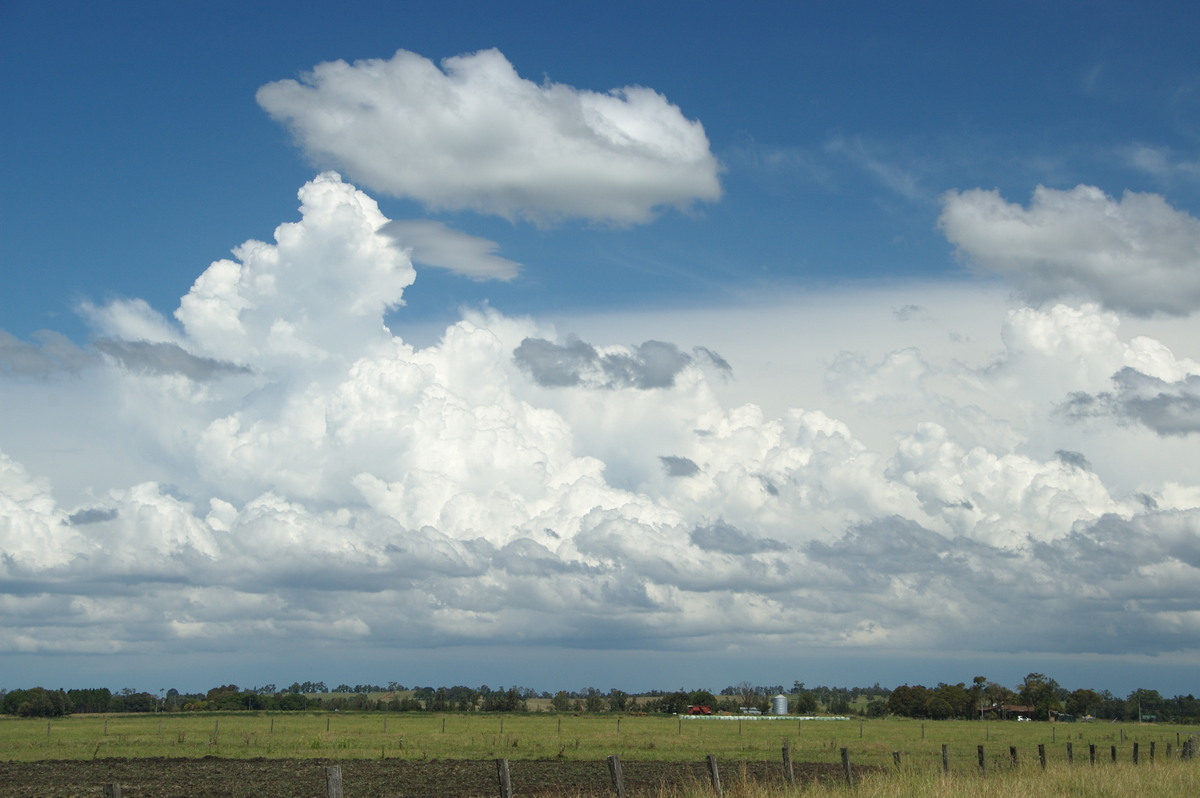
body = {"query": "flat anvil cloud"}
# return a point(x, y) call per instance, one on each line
point(275, 464)
point(475, 135)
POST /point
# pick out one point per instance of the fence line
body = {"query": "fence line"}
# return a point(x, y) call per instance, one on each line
point(334, 782)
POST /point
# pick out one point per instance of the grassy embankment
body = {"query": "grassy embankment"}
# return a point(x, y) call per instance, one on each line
point(1162, 779)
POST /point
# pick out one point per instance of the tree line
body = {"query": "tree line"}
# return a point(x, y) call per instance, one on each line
point(1038, 697)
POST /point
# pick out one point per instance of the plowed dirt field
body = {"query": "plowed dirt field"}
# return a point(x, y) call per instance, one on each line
point(386, 778)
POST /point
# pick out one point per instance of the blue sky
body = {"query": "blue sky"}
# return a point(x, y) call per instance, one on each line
point(662, 339)
point(143, 153)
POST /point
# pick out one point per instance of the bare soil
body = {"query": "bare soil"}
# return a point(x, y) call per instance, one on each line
point(379, 778)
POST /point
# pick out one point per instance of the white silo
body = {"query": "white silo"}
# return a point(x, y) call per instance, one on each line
point(779, 705)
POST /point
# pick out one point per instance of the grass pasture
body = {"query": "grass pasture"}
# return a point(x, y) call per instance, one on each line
point(472, 741)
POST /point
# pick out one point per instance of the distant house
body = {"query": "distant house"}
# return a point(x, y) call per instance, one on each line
point(1008, 712)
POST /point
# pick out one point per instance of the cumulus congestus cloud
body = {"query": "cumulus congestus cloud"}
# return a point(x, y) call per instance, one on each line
point(271, 463)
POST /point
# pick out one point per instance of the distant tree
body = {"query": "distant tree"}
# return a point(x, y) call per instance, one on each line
point(748, 694)
point(978, 695)
point(562, 701)
point(510, 700)
point(129, 701)
point(958, 699)
point(1111, 707)
point(1042, 693)
point(1082, 703)
point(1184, 709)
point(909, 701)
point(938, 708)
point(673, 703)
point(804, 702)
point(593, 700)
point(291, 702)
point(999, 695)
point(91, 700)
point(37, 702)
point(1142, 702)
point(618, 700)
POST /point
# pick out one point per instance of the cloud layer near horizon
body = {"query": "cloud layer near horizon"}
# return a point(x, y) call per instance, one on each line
point(274, 462)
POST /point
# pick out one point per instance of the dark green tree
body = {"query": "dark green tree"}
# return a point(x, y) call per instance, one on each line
point(1042, 693)
point(1082, 703)
point(37, 702)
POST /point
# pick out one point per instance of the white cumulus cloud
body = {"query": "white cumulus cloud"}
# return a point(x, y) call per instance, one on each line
point(1136, 254)
point(473, 134)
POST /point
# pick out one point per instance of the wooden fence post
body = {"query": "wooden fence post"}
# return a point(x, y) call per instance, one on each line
point(112, 791)
point(1092, 752)
point(714, 774)
point(846, 767)
point(1135, 753)
point(1042, 754)
point(896, 759)
point(982, 766)
point(1114, 753)
point(945, 758)
point(504, 778)
point(1012, 755)
point(1070, 754)
point(788, 772)
point(618, 778)
point(333, 781)
point(1151, 750)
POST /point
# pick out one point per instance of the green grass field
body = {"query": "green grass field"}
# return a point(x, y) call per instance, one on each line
point(584, 737)
point(591, 738)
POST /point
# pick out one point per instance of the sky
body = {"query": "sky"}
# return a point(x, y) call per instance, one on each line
point(636, 346)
